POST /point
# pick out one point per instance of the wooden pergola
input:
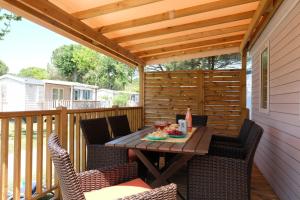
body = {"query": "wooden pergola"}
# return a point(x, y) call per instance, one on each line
point(140, 32)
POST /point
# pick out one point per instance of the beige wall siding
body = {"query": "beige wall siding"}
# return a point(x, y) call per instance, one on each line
point(278, 154)
point(49, 90)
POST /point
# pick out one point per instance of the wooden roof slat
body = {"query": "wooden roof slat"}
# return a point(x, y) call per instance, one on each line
point(263, 4)
point(60, 16)
point(264, 22)
point(192, 51)
point(186, 38)
point(112, 7)
point(189, 45)
point(173, 14)
point(184, 27)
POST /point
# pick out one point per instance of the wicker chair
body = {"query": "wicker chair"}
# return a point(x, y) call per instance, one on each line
point(234, 141)
point(96, 134)
point(74, 186)
point(214, 177)
point(119, 125)
point(197, 120)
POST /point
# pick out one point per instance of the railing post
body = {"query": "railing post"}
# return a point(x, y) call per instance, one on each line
point(243, 80)
point(142, 92)
point(63, 126)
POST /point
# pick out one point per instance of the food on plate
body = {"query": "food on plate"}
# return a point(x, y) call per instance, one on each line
point(174, 126)
point(174, 132)
point(157, 134)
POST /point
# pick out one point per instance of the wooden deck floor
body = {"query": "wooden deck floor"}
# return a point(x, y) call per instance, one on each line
point(261, 190)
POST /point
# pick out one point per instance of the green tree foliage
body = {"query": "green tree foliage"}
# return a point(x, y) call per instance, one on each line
point(74, 61)
point(80, 64)
point(5, 22)
point(121, 99)
point(110, 74)
point(34, 72)
point(208, 63)
point(3, 68)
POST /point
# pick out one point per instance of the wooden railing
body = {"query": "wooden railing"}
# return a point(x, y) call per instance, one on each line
point(29, 160)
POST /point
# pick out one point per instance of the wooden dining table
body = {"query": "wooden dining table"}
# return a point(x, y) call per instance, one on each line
point(197, 144)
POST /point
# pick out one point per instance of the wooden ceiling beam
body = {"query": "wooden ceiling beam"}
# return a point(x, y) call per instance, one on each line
point(110, 8)
point(193, 51)
point(263, 5)
point(184, 27)
point(173, 14)
point(29, 13)
point(189, 46)
point(260, 28)
point(186, 38)
point(69, 22)
point(204, 54)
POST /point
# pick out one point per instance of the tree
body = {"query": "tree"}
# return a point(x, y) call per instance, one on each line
point(80, 64)
point(121, 99)
point(110, 74)
point(74, 61)
point(3, 68)
point(5, 22)
point(34, 72)
point(208, 63)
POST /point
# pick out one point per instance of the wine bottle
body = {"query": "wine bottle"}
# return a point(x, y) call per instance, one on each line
point(188, 118)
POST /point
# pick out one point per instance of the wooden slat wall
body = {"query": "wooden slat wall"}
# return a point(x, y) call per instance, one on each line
point(214, 93)
point(278, 154)
point(222, 100)
point(22, 128)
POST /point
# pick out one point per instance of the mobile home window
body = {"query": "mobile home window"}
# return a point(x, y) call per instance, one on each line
point(264, 96)
point(86, 94)
point(57, 94)
point(76, 94)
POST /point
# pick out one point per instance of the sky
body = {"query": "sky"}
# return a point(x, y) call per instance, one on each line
point(29, 44)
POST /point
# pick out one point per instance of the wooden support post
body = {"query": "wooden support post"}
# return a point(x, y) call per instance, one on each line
point(243, 95)
point(201, 93)
point(142, 92)
point(63, 126)
point(4, 158)
point(28, 166)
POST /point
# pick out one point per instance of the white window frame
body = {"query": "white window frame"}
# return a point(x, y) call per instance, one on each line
point(261, 109)
point(58, 90)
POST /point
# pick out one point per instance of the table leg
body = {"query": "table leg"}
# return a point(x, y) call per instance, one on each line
point(174, 167)
point(150, 166)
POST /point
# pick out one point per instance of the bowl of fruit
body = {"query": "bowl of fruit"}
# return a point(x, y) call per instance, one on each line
point(175, 133)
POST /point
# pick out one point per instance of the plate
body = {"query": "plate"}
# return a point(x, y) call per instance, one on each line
point(177, 136)
point(156, 138)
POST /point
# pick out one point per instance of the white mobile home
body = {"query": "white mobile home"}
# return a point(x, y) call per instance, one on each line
point(19, 93)
point(69, 94)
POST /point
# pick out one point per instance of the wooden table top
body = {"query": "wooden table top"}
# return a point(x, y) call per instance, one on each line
point(197, 144)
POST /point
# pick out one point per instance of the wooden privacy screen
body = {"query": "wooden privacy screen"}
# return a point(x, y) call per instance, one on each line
point(214, 93)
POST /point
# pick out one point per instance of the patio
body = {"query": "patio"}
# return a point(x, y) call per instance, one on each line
point(189, 29)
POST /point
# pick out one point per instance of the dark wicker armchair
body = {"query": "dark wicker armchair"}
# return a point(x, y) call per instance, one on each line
point(215, 177)
point(234, 141)
point(96, 134)
point(84, 185)
point(197, 120)
point(119, 125)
